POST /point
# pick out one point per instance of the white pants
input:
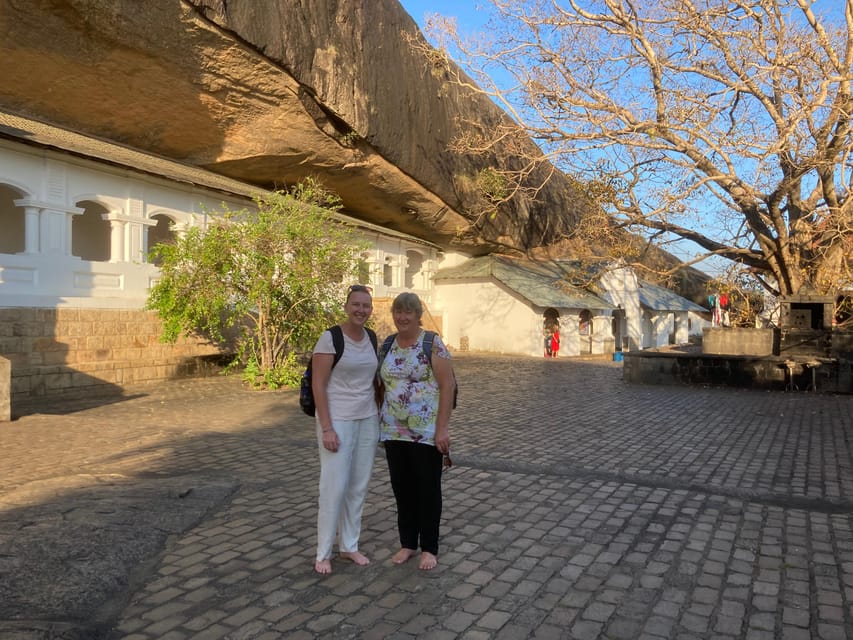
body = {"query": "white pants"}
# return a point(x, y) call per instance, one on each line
point(344, 476)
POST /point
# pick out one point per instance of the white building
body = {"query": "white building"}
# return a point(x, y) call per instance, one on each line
point(649, 316)
point(499, 304)
point(78, 216)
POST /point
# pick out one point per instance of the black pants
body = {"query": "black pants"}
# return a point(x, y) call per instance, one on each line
point(415, 471)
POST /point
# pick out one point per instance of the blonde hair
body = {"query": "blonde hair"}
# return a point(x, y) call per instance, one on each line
point(359, 288)
point(408, 302)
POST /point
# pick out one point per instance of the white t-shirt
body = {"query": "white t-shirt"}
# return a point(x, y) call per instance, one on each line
point(350, 388)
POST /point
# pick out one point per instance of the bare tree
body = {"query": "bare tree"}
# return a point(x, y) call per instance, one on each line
point(722, 122)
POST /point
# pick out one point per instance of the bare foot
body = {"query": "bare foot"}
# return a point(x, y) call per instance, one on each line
point(428, 561)
point(356, 556)
point(323, 566)
point(402, 555)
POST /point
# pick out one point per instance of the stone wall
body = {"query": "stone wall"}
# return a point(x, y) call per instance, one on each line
point(740, 341)
point(744, 372)
point(5, 388)
point(383, 322)
point(55, 350)
point(62, 350)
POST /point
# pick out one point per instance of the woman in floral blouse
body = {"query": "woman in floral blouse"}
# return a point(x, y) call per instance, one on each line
point(414, 428)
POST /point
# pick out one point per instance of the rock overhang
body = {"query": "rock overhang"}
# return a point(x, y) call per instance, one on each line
point(268, 94)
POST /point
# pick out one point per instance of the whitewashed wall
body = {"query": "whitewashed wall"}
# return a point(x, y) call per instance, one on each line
point(495, 319)
point(68, 322)
point(49, 186)
point(492, 318)
point(621, 286)
point(398, 264)
point(697, 323)
point(657, 328)
point(45, 273)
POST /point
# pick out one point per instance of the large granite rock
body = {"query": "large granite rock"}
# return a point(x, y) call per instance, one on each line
point(270, 91)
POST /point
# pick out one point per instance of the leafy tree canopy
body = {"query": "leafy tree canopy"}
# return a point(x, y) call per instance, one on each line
point(267, 281)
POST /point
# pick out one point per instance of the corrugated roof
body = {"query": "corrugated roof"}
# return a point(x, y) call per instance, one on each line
point(542, 284)
point(659, 298)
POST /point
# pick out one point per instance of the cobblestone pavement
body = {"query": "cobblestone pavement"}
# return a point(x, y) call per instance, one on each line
point(578, 507)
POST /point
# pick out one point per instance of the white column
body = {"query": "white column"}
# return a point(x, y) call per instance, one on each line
point(137, 240)
point(116, 239)
point(127, 243)
point(31, 230)
point(47, 226)
point(55, 236)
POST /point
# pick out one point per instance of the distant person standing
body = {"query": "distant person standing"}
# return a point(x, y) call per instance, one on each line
point(555, 341)
point(414, 426)
point(551, 331)
point(347, 429)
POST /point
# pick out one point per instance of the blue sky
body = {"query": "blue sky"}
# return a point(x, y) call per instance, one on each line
point(470, 19)
point(465, 11)
point(471, 16)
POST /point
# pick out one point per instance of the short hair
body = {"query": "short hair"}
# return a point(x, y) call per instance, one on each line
point(408, 302)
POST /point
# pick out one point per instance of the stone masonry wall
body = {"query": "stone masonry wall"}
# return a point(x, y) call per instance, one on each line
point(56, 350)
point(5, 387)
point(383, 322)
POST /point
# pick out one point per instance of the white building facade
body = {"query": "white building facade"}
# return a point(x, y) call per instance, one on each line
point(76, 226)
point(78, 217)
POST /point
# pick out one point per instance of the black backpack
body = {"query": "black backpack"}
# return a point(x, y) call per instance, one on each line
point(429, 337)
point(306, 393)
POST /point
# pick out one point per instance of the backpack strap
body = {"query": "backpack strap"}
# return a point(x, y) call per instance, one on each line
point(429, 338)
point(338, 342)
point(426, 345)
point(386, 347)
point(373, 339)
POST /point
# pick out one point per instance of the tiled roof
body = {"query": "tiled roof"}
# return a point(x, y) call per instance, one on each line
point(41, 134)
point(659, 298)
point(540, 283)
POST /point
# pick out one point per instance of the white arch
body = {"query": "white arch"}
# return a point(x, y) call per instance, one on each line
point(111, 204)
point(167, 213)
point(415, 261)
point(25, 192)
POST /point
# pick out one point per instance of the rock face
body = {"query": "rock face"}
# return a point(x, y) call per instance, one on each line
point(271, 91)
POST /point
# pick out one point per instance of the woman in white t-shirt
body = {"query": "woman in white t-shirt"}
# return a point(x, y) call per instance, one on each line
point(347, 430)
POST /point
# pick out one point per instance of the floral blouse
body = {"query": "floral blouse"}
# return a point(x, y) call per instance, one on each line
point(411, 393)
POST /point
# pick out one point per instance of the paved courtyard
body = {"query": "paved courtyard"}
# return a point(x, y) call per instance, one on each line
point(578, 507)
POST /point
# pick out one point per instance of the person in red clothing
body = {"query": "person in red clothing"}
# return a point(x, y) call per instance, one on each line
point(555, 342)
point(551, 331)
